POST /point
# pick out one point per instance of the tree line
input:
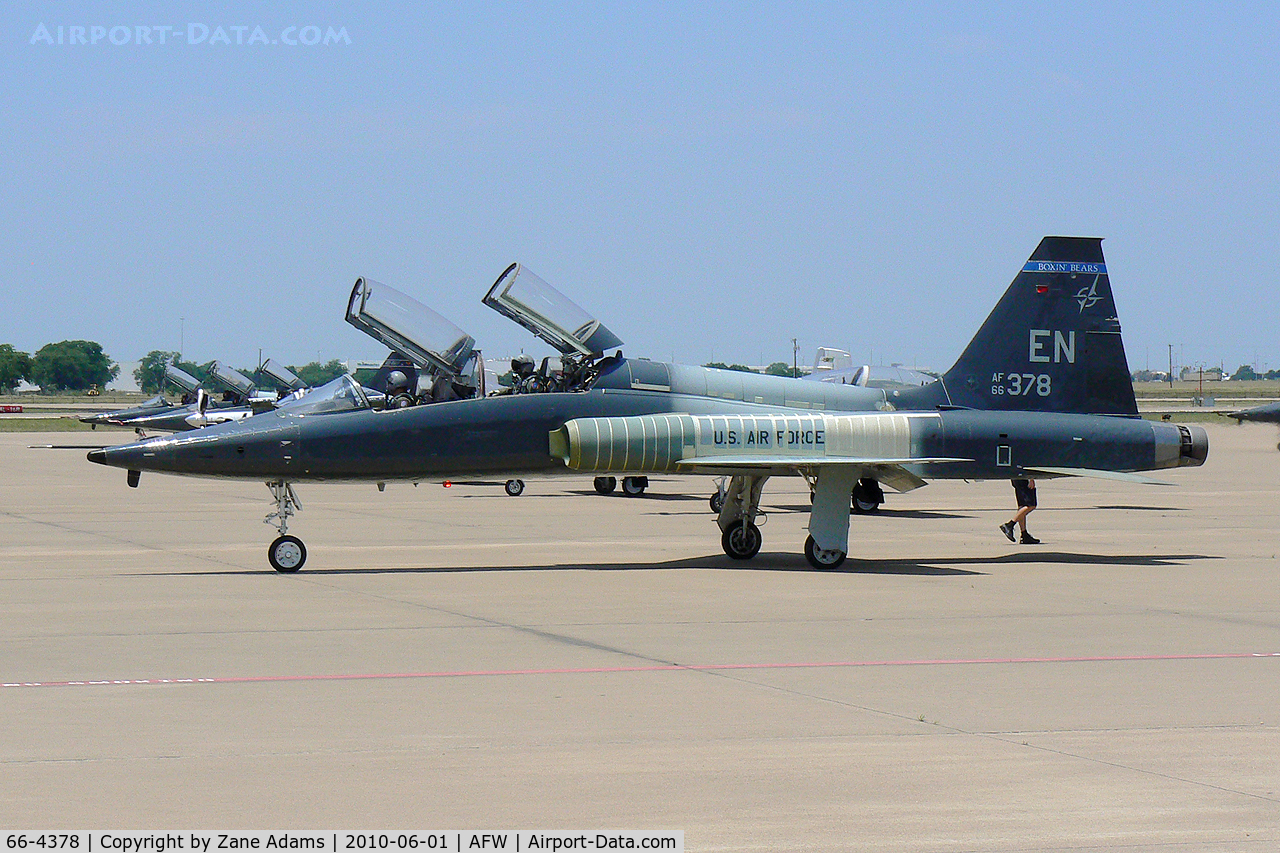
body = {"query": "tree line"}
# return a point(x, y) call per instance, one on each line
point(64, 366)
point(80, 365)
point(778, 368)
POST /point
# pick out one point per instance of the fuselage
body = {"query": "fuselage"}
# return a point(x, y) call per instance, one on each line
point(509, 436)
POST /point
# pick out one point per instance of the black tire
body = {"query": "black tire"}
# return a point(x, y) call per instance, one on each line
point(741, 541)
point(866, 501)
point(514, 487)
point(605, 485)
point(287, 554)
point(717, 502)
point(634, 486)
point(822, 560)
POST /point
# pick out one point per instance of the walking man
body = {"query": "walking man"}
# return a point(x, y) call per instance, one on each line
point(1025, 492)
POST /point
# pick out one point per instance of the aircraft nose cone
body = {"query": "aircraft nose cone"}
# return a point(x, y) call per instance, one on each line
point(99, 456)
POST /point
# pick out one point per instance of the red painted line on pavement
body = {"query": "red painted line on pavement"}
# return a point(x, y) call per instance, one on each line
point(714, 667)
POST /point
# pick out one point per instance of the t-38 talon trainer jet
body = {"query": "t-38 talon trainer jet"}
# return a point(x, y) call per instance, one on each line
point(1268, 413)
point(241, 399)
point(157, 405)
point(1042, 390)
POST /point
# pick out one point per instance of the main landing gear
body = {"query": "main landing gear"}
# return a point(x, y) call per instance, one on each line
point(717, 497)
point(287, 553)
point(867, 496)
point(631, 486)
point(827, 545)
point(740, 537)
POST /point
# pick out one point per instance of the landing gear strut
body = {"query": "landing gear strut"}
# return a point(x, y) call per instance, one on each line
point(287, 553)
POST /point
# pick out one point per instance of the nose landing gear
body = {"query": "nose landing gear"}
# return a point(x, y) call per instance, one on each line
point(286, 553)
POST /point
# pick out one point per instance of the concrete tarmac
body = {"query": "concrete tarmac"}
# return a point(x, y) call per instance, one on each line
point(457, 658)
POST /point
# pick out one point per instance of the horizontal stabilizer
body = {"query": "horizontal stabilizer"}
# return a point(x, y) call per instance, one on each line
point(1099, 475)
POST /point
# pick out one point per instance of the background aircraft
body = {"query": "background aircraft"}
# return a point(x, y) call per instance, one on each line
point(157, 405)
point(1042, 390)
point(1265, 414)
point(836, 365)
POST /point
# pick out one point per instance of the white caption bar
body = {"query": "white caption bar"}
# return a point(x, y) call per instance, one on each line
point(344, 841)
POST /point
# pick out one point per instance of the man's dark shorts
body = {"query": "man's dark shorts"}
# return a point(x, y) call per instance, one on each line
point(1025, 493)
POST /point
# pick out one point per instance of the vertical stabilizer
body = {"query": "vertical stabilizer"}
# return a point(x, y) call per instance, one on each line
point(1052, 343)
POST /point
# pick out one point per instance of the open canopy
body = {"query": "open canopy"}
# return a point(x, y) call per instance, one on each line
point(524, 297)
point(407, 326)
point(232, 379)
point(181, 378)
point(283, 375)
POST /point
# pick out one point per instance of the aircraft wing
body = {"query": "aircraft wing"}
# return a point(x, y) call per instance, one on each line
point(1098, 475)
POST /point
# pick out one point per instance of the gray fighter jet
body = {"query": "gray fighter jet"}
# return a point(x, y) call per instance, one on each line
point(1041, 391)
point(1268, 413)
point(240, 399)
point(156, 406)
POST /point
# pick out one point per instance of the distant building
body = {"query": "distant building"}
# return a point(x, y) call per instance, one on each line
point(125, 380)
point(1196, 374)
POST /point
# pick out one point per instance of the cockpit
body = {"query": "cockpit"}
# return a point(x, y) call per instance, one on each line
point(522, 296)
point(343, 394)
point(432, 360)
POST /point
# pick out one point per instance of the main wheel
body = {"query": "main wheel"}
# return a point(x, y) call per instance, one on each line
point(821, 559)
point(605, 485)
point(515, 487)
point(865, 500)
point(634, 486)
point(287, 554)
point(741, 541)
point(717, 502)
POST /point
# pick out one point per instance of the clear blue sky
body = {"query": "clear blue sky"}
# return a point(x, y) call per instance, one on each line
point(711, 179)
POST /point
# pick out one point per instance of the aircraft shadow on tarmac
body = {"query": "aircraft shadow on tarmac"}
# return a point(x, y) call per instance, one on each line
point(773, 562)
point(881, 513)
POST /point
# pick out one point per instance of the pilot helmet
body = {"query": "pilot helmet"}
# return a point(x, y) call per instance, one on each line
point(522, 365)
point(397, 382)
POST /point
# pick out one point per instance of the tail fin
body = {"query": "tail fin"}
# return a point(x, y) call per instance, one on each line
point(1052, 343)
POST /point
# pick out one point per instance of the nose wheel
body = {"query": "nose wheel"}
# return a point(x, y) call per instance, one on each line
point(287, 554)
